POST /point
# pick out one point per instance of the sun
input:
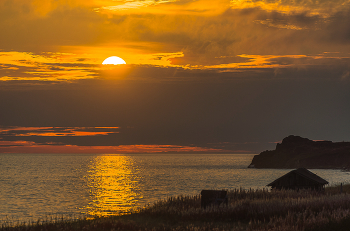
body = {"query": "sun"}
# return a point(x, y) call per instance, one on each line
point(114, 60)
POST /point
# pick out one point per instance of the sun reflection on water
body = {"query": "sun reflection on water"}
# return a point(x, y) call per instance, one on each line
point(114, 186)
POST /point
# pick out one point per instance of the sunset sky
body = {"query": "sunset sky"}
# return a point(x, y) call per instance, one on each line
point(200, 76)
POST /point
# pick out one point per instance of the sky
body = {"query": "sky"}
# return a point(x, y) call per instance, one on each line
point(229, 76)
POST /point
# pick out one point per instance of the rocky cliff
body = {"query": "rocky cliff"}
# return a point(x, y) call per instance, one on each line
point(297, 152)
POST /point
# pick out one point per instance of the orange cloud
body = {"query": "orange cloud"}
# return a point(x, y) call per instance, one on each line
point(69, 40)
point(46, 66)
point(58, 131)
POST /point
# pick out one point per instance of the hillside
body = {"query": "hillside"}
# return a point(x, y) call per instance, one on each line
point(296, 152)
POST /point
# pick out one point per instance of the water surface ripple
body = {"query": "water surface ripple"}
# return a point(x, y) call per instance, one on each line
point(35, 186)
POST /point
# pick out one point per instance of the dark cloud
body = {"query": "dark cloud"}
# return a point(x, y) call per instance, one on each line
point(13, 131)
point(210, 111)
point(203, 39)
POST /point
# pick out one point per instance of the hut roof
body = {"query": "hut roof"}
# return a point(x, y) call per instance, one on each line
point(304, 173)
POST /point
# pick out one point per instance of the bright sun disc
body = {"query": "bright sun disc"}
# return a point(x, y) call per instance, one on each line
point(114, 60)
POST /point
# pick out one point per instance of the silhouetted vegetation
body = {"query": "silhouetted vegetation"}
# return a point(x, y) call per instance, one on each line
point(260, 210)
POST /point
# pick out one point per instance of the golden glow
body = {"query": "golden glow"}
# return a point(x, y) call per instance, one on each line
point(114, 185)
point(135, 53)
point(127, 5)
point(173, 7)
point(81, 63)
point(114, 60)
point(155, 32)
point(43, 8)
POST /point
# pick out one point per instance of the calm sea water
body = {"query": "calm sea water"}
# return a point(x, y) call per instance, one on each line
point(34, 186)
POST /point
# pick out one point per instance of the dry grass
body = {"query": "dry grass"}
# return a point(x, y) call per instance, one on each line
point(248, 210)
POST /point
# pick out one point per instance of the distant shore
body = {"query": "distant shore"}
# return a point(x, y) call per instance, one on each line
point(296, 152)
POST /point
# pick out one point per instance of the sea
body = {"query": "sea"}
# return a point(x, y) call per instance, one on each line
point(44, 186)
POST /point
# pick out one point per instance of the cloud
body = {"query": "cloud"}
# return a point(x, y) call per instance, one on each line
point(31, 147)
point(25, 29)
point(213, 108)
point(198, 75)
point(26, 66)
point(204, 39)
point(222, 37)
point(57, 131)
point(127, 5)
point(325, 8)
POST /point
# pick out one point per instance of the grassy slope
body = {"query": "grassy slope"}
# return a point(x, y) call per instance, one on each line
point(247, 210)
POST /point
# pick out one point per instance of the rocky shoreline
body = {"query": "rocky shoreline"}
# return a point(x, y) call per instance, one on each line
point(297, 152)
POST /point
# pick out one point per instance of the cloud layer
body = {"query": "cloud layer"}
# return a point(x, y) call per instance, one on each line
point(229, 76)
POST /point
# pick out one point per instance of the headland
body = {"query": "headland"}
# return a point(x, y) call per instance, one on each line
point(296, 152)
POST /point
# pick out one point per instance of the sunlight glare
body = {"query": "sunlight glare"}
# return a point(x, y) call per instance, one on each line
point(114, 185)
point(114, 60)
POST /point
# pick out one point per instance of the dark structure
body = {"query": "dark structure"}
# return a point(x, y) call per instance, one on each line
point(213, 198)
point(300, 178)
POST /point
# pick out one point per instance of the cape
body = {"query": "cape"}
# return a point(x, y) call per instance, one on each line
point(299, 152)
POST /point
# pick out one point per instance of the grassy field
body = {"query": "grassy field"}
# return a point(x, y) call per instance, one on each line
point(256, 210)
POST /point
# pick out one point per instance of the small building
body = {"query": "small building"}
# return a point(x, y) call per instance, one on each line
point(213, 198)
point(300, 178)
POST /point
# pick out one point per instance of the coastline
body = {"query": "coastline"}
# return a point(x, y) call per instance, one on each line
point(247, 210)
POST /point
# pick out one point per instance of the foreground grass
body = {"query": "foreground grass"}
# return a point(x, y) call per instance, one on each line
point(248, 210)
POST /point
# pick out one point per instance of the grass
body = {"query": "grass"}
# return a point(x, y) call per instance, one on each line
point(248, 210)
